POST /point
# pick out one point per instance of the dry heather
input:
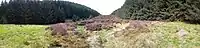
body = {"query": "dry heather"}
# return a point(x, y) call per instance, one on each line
point(66, 35)
point(71, 41)
point(101, 22)
point(135, 35)
point(62, 28)
point(127, 34)
point(104, 31)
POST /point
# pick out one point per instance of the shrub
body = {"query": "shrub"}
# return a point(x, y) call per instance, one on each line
point(101, 22)
point(78, 40)
point(62, 28)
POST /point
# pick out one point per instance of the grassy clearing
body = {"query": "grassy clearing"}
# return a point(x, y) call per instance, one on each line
point(158, 36)
point(24, 36)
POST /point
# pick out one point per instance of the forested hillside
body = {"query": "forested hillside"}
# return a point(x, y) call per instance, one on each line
point(43, 12)
point(167, 10)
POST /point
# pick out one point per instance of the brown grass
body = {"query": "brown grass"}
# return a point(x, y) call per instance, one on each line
point(101, 22)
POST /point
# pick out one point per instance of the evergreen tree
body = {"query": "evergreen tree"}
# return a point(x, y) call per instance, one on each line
point(42, 12)
point(168, 10)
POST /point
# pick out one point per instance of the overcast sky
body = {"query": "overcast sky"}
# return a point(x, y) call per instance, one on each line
point(104, 7)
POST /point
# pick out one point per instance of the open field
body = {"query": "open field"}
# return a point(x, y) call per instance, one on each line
point(165, 35)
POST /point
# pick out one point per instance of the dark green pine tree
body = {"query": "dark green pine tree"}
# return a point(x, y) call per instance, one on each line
point(42, 12)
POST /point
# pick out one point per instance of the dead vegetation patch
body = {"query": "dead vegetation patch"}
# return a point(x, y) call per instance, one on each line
point(101, 22)
point(71, 41)
point(119, 28)
point(62, 28)
point(136, 26)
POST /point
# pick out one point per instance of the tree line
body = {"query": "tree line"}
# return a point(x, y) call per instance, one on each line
point(165, 10)
point(43, 12)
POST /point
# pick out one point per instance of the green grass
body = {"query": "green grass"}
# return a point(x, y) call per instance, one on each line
point(158, 36)
point(170, 37)
point(24, 36)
